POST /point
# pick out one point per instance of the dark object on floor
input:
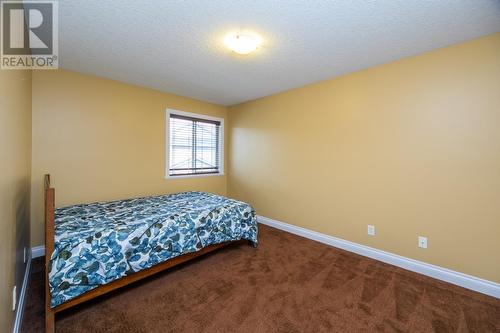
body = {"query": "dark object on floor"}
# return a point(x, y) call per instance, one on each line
point(287, 284)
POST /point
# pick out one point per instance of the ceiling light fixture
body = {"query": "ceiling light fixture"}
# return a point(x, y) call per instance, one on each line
point(243, 43)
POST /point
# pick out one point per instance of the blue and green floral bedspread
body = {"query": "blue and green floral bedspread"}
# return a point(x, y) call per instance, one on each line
point(101, 242)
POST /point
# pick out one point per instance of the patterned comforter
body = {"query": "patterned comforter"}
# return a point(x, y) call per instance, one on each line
point(101, 242)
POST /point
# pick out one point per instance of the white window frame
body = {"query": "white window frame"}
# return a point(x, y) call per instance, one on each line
point(168, 112)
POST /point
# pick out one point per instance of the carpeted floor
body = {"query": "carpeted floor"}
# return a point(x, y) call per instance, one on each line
point(287, 284)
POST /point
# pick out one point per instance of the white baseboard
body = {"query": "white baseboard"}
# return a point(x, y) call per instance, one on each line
point(38, 251)
point(22, 296)
point(460, 279)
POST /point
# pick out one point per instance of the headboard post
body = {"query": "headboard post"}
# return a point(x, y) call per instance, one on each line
point(47, 181)
point(49, 249)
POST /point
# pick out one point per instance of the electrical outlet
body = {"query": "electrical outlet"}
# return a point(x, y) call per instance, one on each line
point(14, 298)
point(371, 230)
point(422, 242)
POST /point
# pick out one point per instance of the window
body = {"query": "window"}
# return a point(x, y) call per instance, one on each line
point(195, 145)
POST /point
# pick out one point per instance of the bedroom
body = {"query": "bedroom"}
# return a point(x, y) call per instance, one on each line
point(353, 146)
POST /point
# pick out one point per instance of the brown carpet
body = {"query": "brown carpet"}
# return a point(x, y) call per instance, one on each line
point(287, 284)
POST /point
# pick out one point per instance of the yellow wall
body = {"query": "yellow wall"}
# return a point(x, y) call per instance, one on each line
point(103, 140)
point(15, 166)
point(412, 147)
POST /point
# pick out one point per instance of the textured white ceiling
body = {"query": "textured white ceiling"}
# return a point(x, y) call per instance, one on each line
point(177, 46)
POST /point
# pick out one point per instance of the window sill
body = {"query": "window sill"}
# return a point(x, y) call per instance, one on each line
point(193, 176)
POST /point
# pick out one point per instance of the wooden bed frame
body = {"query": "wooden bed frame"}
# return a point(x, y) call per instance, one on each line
point(103, 289)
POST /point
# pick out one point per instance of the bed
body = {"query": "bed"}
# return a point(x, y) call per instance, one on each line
point(95, 248)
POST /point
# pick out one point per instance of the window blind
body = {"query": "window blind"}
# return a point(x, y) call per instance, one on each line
point(194, 146)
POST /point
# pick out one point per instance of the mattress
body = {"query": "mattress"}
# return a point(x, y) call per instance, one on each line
point(100, 242)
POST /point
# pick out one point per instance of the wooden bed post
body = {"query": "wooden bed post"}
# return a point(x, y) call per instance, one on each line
point(49, 249)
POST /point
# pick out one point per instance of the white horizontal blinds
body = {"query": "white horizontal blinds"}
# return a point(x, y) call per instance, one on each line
point(194, 146)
